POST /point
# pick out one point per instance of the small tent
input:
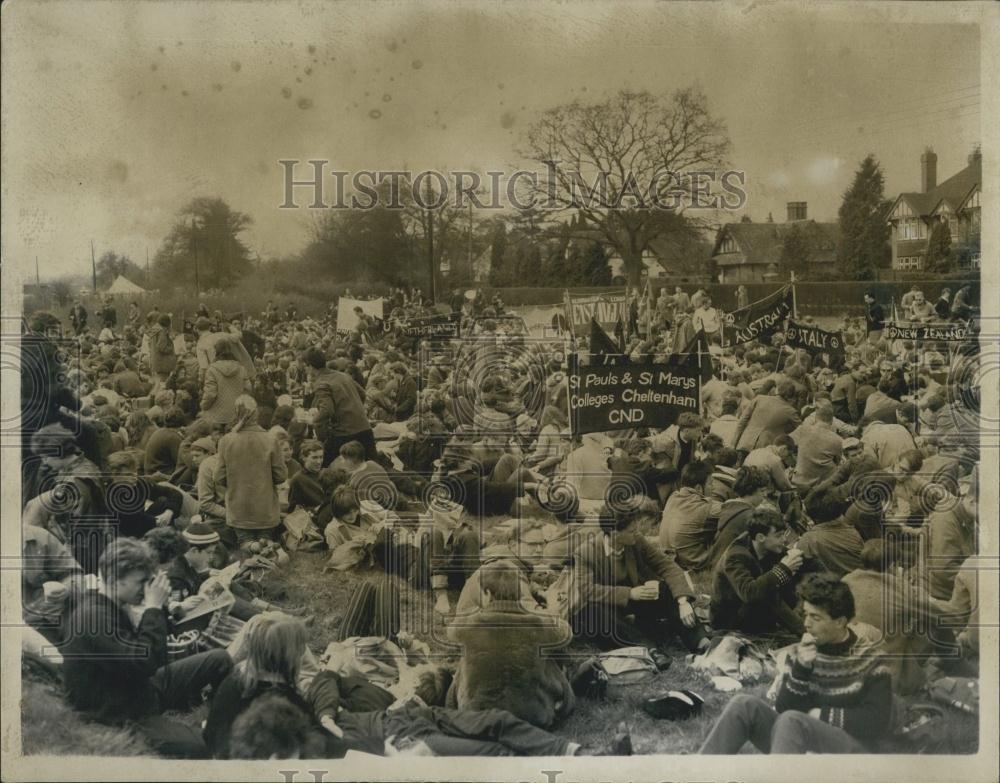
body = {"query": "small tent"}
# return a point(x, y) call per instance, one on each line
point(125, 287)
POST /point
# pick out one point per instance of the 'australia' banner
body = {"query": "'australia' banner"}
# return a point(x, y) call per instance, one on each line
point(607, 309)
point(956, 332)
point(814, 339)
point(431, 326)
point(759, 319)
point(630, 396)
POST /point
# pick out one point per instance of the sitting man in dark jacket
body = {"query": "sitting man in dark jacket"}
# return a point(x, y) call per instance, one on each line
point(503, 664)
point(832, 544)
point(618, 574)
point(834, 692)
point(116, 666)
point(749, 585)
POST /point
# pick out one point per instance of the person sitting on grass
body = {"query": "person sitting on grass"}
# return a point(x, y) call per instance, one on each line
point(688, 525)
point(834, 691)
point(750, 584)
point(503, 664)
point(832, 544)
point(620, 573)
point(368, 478)
point(304, 488)
point(116, 668)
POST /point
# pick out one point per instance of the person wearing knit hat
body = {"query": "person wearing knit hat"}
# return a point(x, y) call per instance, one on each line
point(199, 534)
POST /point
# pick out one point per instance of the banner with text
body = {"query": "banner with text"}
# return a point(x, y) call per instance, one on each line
point(758, 319)
point(814, 339)
point(607, 309)
point(954, 333)
point(443, 326)
point(630, 396)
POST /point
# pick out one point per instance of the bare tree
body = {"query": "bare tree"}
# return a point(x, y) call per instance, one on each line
point(631, 167)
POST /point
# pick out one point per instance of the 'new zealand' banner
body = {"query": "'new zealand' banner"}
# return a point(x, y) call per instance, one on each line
point(758, 319)
point(432, 326)
point(630, 396)
point(954, 333)
point(814, 339)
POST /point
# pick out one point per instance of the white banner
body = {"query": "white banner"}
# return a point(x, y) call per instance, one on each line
point(347, 320)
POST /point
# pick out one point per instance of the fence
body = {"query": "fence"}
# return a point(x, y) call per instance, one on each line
point(826, 298)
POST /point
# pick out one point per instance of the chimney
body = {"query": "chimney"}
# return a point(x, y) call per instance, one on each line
point(796, 211)
point(976, 154)
point(928, 170)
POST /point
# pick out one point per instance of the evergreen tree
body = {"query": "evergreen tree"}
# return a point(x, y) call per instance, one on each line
point(863, 227)
point(796, 250)
point(596, 269)
point(498, 252)
point(939, 248)
point(204, 248)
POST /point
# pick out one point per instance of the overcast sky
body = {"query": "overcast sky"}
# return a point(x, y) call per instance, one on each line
point(116, 114)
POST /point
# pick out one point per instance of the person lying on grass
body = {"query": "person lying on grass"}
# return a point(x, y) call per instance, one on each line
point(351, 713)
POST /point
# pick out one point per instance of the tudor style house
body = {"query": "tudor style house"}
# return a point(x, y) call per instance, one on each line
point(955, 202)
point(750, 252)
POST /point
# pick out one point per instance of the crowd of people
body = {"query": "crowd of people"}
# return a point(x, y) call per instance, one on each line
point(822, 501)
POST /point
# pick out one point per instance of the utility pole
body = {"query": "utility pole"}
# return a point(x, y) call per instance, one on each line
point(38, 280)
point(147, 266)
point(470, 238)
point(430, 240)
point(93, 265)
point(194, 245)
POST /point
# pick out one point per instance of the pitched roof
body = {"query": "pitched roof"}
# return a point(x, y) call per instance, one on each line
point(122, 285)
point(953, 190)
point(761, 243)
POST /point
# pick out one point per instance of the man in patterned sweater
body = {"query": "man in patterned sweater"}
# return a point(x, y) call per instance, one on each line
point(834, 695)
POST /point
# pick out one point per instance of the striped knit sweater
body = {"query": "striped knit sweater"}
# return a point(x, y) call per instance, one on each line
point(850, 684)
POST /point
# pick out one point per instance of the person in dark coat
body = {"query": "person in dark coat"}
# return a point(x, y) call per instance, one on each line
point(116, 668)
point(751, 580)
point(874, 315)
point(619, 572)
point(78, 317)
point(406, 392)
point(341, 405)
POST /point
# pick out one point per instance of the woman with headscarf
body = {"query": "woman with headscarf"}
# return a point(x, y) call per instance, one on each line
point(225, 380)
point(162, 357)
point(250, 467)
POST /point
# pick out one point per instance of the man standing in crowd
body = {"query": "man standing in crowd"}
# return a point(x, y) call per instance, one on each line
point(341, 405)
point(874, 315)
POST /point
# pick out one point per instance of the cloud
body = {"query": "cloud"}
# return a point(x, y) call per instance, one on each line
point(823, 170)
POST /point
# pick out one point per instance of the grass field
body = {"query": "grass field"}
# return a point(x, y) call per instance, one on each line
point(50, 727)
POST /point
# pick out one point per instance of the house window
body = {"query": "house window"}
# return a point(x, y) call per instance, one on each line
point(953, 228)
point(728, 245)
point(910, 262)
point(909, 228)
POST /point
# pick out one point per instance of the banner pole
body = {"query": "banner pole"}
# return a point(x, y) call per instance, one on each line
point(795, 301)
